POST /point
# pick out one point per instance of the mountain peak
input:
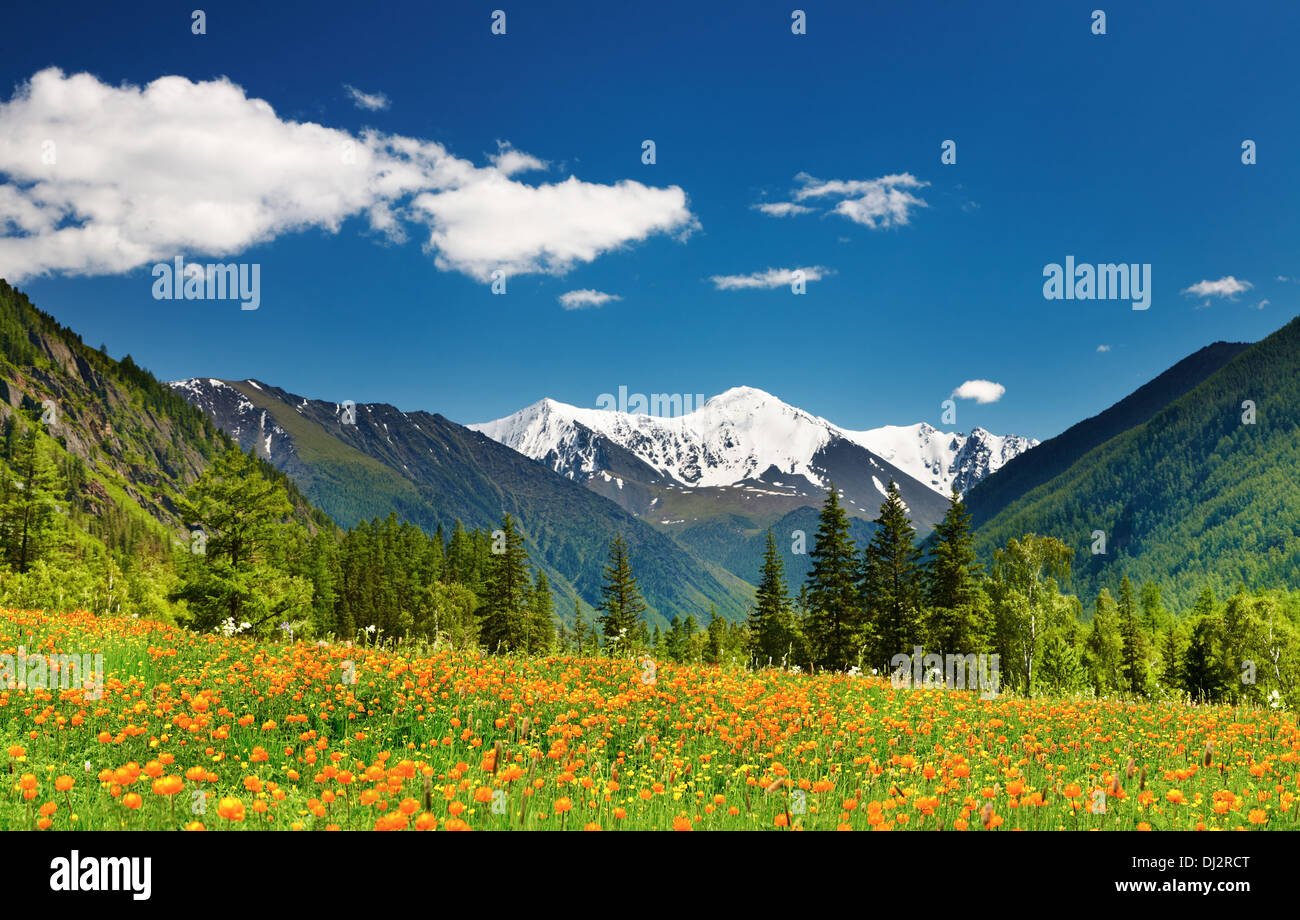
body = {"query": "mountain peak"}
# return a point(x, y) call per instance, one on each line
point(739, 434)
point(741, 395)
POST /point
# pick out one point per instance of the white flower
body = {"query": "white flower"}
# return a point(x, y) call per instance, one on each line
point(370, 628)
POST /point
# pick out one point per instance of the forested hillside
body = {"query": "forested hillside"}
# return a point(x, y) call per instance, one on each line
point(118, 496)
point(365, 461)
point(1202, 494)
point(1055, 455)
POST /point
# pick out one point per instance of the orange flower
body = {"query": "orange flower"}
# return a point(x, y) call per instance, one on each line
point(167, 785)
point(230, 808)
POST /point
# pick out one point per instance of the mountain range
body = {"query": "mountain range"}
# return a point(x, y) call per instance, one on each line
point(749, 452)
point(716, 478)
point(365, 461)
point(1190, 479)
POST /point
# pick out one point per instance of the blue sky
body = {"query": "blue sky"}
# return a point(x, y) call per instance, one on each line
point(1123, 147)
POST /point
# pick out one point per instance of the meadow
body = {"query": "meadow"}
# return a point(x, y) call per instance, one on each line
point(214, 732)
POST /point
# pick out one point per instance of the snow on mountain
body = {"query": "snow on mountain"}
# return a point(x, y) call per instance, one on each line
point(736, 435)
point(741, 434)
point(938, 458)
point(233, 411)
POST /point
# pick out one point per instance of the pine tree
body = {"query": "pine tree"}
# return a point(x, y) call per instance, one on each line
point(1133, 666)
point(1154, 616)
point(503, 626)
point(579, 627)
point(952, 583)
point(621, 604)
point(834, 621)
point(891, 582)
point(541, 617)
point(771, 622)
point(30, 522)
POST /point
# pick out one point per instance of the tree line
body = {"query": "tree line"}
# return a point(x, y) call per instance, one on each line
point(250, 564)
point(860, 610)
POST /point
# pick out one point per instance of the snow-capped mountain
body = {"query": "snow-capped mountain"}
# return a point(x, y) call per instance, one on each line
point(735, 436)
point(745, 434)
point(940, 459)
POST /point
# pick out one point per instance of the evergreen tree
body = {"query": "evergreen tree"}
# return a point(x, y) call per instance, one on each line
point(677, 641)
point(1202, 676)
point(1173, 650)
point(771, 622)
point(891, 582)
point(952, 583)
point(834, 620)
point(541, 617)
point(1133, 666)
point(621, 604)
point(1153, 617)
point(1062, 671)
point(503, 625)
point(30, 523)
point(1204, 606)
point(579, 627)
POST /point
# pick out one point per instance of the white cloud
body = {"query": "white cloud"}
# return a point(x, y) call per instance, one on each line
point(141, 174)
point(581, 300)
point(509, 161)
point(371, 102)
point(982, 391)
point(1262, 304)
point(783, 209)
point(875, 203)
point(1224, 287)
point(772, 278)
point(493, 222)
point(1103, 348)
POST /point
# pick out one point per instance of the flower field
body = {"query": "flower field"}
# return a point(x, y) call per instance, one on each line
point(205, 732)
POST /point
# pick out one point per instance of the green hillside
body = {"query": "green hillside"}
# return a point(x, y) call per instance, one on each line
point(433, 473)
point(1194, 496)
point(1054, 456)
